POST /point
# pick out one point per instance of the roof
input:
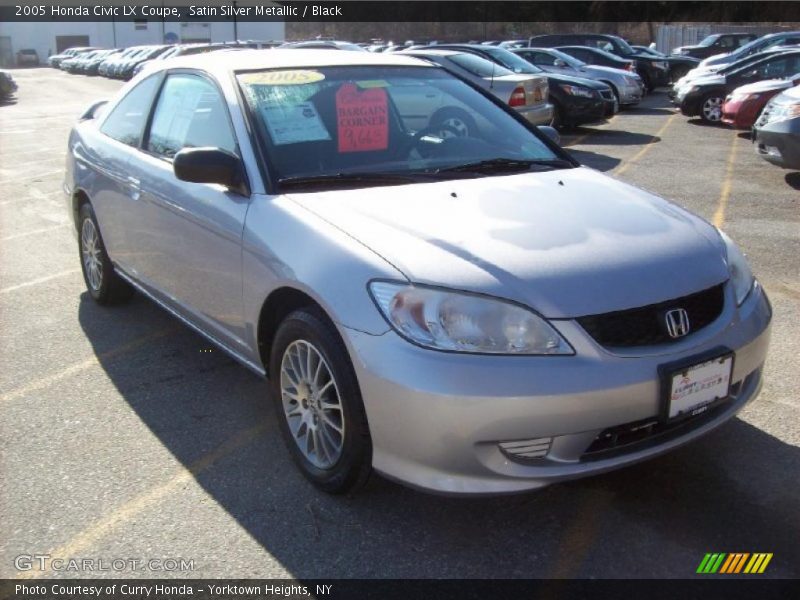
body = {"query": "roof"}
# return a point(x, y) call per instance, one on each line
point(243, 60)
point(426, 52)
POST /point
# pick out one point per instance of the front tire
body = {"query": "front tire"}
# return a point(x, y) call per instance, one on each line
point(711, 108)
point(103, 283)
point(318, 403)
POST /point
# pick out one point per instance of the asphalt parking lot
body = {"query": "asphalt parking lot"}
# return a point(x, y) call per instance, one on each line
point(125, 435)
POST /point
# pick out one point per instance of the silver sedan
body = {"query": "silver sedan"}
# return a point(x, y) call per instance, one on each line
point(627, 86)
point(462, 313)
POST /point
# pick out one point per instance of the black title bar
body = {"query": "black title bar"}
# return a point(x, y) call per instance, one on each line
point(405, 11)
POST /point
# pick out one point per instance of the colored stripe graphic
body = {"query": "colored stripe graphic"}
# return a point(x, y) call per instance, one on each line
point(733, 563)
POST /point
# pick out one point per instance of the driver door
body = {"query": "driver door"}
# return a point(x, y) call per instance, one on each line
point(191, 232)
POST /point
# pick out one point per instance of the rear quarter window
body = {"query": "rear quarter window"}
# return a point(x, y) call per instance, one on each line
point(125, 123)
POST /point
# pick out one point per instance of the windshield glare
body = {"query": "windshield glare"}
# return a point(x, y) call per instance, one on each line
point(366, 119)
point(513, 62)
point(708, 40)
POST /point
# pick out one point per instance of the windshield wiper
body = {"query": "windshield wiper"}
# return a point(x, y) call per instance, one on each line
point(494, 165)
point(350, 178)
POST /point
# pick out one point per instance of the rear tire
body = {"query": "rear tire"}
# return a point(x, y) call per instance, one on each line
point(103, 283)
point(318, 403)
point(454, 119)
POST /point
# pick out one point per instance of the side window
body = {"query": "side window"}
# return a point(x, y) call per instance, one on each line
point(190, 113)
point(126, 122)
point(586, 57)
point(774, 69)
point(542, 58)
point(726, 41)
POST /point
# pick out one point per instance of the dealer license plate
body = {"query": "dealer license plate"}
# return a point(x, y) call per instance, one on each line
point(693, 388)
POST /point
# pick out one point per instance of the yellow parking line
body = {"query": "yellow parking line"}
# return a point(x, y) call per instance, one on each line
point(580, 535)
point(47, 381)
point(719, 215)
point(19, 286)
point(136, 505)
point(625, 165)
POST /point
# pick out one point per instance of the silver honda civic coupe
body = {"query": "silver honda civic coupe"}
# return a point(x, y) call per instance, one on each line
point(462, 313)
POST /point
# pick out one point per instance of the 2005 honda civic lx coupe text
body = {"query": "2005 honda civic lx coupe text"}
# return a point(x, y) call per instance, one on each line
point(433, 288)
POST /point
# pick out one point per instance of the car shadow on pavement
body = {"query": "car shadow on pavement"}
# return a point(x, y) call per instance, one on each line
point(601, 162)
point(731, 491)
point(614, 137)
point(793, 180)
point(648, 110)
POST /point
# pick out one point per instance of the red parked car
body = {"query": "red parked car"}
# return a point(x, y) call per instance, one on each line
point(744, 104)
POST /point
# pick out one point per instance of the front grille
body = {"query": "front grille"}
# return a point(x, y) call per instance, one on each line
point(646, 325)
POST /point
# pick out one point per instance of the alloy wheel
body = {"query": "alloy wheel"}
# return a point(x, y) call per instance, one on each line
point(90, 253)
point(311, 404)
point(712, 109)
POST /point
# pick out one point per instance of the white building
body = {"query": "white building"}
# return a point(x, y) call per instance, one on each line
point(52, 37)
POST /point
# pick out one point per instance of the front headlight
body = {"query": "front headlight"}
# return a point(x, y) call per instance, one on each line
point(741, 275)
point(575, 90)
point(463, 322)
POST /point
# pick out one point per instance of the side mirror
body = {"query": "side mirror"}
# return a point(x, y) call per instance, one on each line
point(209, 165)
point(559, 63)
point(93, 110)
point(551, 133)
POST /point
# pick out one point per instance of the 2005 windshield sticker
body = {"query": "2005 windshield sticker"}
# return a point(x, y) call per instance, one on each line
point(362, 118)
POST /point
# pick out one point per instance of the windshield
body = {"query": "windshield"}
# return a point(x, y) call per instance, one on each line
point(511, 61)
point(708, 40)
point(624, 46)
point(391, 122)
point(754, 45)
point(479, 66)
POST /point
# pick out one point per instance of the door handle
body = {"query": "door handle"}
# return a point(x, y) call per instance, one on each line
point(133, 185)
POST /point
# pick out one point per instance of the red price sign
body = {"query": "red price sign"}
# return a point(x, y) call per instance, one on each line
point(362, 118)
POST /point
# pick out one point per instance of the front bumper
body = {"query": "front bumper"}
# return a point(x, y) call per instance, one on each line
point(778, 142)
point(437, 419)
point(539, 114)
point(630, 94)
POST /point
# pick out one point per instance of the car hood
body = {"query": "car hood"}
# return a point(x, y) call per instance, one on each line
point(709, 79)
point(573, 80)
point(597, 69)
point(718, 59)
point(568, 242)
point(767, 85)
point(682, 48)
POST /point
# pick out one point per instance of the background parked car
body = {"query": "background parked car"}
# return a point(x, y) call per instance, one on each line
point(55, 60)
point(576, 100)
point(527, 94)
point(653, 71)
point(598, 57)
point(678, 65)
point(743, 106)
point(705, 96)
point(772, 40)
point(685, 82)
point(627, 86)
point(777, 131)
point(7, 85)
point(324, 44)
point(125, 70)
point(27, 57)
point(716, 43)
point(92, 65)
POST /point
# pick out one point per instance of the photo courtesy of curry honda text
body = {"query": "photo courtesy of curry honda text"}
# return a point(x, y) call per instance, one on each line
point(461, 308)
